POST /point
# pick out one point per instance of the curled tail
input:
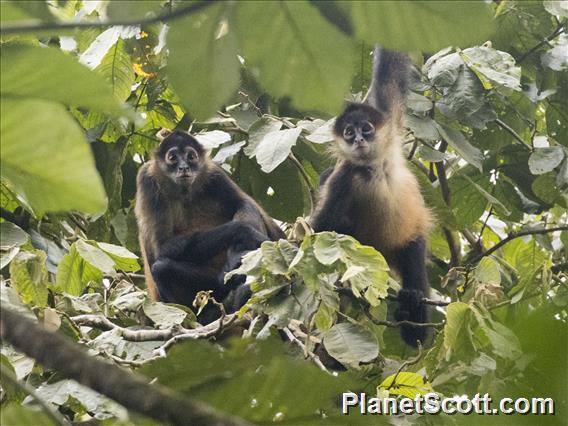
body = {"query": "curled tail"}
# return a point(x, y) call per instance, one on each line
point(390, 82)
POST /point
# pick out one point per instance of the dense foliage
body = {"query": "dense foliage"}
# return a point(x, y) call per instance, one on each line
point(83, 99)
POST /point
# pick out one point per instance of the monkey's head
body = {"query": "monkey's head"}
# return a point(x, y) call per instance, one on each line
point(181, 157)
point(356, 131)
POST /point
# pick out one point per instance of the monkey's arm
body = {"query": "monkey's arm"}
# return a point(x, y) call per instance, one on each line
point(333, 212)
point(410, 261)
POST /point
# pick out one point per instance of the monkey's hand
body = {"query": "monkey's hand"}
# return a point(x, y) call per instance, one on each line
point(411, 308)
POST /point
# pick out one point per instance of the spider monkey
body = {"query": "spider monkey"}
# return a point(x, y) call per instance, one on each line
point(194, 225)
point(371, 194)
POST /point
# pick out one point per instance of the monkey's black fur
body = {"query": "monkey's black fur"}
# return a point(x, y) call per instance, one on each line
point(195, 224)
point(371, 195)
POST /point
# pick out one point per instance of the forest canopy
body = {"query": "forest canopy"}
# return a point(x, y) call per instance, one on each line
point(87, 86)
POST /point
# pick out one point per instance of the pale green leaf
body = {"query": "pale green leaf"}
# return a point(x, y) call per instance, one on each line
point(351, 344)
point(455, 322)
point(123, 259)
point(203, 67)
point(407, 384)
point(301, 55)
point(61, 79)
point(12, 235)
point(29, 277)
point(422, 25)
point(275, 148)
point(52, 167)
point(544, 160)
point(116, 68)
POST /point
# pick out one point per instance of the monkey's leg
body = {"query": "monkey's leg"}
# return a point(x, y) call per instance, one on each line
point(410, 261)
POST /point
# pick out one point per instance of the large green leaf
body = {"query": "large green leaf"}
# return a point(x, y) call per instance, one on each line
point(275, 147)
point(48, 73)
point(297, 52)
point(74, 272)
point(29, 277)
point(351, 344)
point(422, 25)
point(46, 160)
point(543, 160)
point(252, 379)
point(455, 323)
point(203, 66)
point(116, 68)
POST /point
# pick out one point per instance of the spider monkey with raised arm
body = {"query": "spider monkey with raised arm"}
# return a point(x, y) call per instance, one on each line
point(371, 194)
point(194, 225)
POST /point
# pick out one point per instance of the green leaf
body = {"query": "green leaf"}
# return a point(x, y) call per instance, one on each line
point(205, 71)
point(487, 271)
point(61, 392)
point(162, 315)
point(433, 24)
point(122, 258)
point(275, 147)
point(252, 379)
point(12, 236)
point(129, 10)
point(52, 168)
point(407, 384)
point(296, 57)
point(74, 273)
point(29, 277)
point(116, 68)
point(457, 140)
point(492, 65)
point(258, 130)
point(468, 203)
point(351, 344)
point(544, 160)
point(455, 322)
point(14, 414)
point(61, 79)
point(95, 256)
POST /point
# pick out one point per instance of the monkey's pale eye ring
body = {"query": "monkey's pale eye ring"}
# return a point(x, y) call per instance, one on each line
point(368, 128)
point(348, 132)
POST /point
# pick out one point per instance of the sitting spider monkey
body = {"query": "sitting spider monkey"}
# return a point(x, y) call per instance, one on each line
point(371, 194)
point(194, 225)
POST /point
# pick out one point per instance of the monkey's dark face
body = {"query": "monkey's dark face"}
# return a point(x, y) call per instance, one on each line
point(356, 129)
point(180, 157)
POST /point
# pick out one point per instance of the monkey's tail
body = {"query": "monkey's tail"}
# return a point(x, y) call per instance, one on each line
point(390, 81)
point(411, 308)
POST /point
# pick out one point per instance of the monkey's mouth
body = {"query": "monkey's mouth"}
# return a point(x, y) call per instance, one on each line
point(185, 177)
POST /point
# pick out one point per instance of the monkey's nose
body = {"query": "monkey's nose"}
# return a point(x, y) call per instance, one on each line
point(184, 169)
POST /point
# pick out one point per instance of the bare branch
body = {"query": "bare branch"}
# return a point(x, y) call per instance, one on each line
point(30, 27)
point(512, 236)
point(307, 353)
point(55, 351)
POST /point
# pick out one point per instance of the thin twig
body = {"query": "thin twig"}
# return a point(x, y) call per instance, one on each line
point(307, 353)
point(509, 129)
point(512, 236)
point(425, 301)
point(251, 103)
point(300, 168)
point(394, 324)
point(407, 364)
point(28, 27)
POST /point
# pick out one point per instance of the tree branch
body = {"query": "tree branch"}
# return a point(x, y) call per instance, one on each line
point(28, 27)
point(305, 176)
point(559, 30)
point(512, 236)
point(510, 130)
point(55, 351)
point(307, 353)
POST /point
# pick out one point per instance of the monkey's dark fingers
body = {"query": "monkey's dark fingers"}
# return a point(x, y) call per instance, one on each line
point(411, 308)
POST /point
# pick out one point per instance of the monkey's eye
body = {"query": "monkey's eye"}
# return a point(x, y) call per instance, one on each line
point(172, 157)
point(348, 132)
point(367, 128)
point(191, 156)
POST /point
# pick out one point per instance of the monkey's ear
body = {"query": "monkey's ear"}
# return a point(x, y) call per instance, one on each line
point(163, 133)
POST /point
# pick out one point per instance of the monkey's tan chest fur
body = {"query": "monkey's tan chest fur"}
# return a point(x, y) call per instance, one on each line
point(390, 210)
